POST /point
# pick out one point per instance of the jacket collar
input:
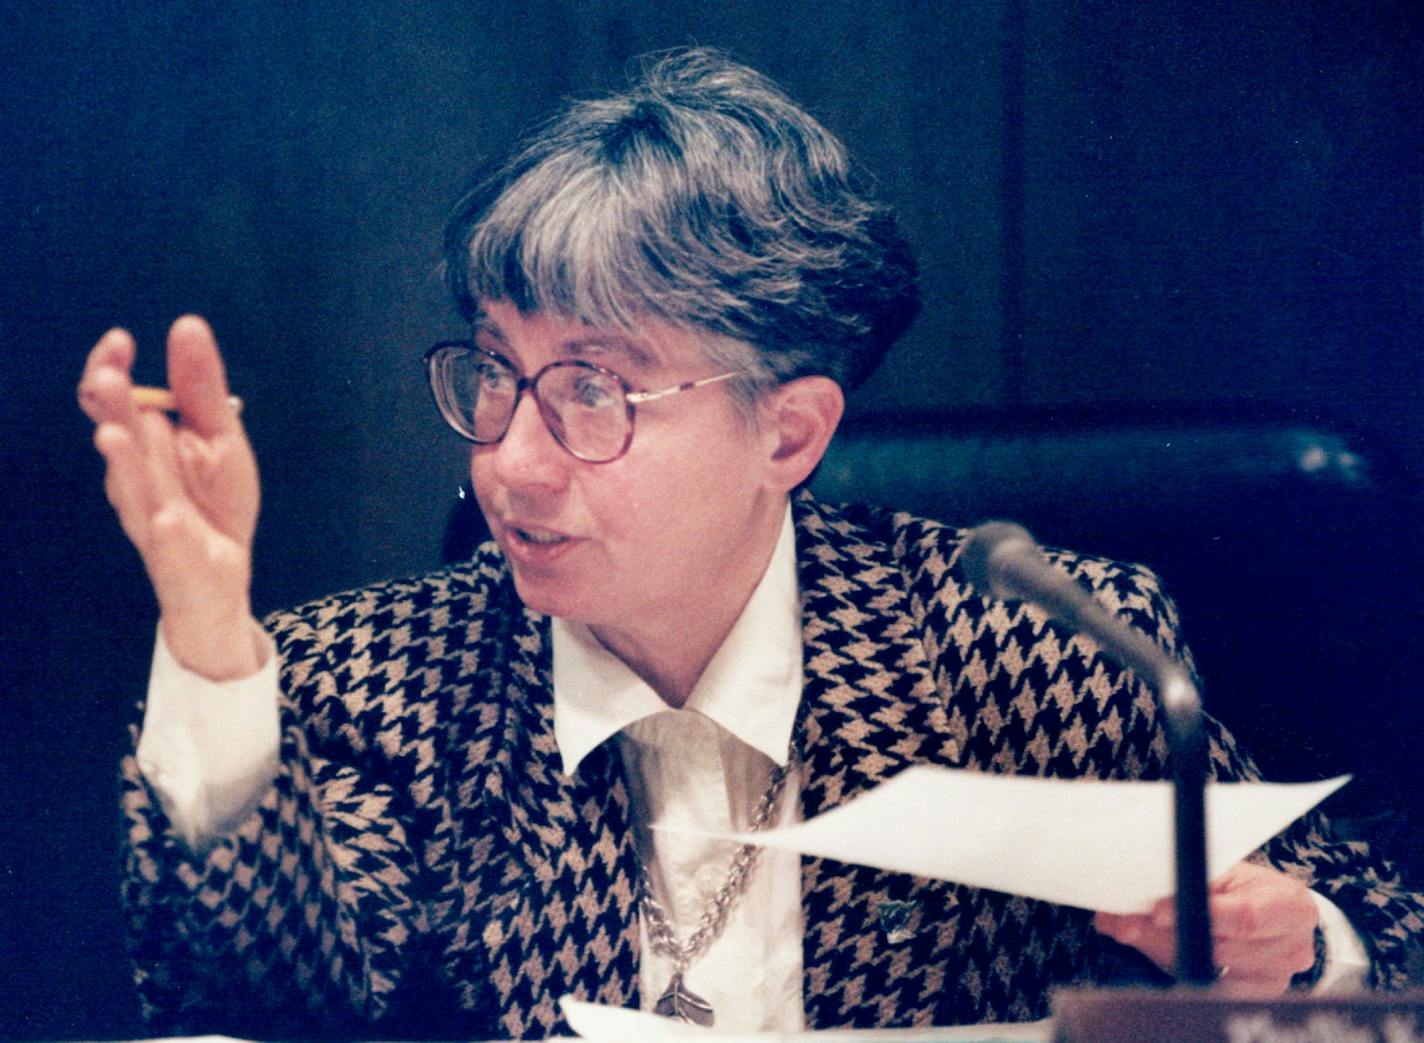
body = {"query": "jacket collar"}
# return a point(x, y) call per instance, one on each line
point(751, 687)
point(870, 706)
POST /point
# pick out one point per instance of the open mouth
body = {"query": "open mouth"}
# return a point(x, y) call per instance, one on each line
point(539, 537)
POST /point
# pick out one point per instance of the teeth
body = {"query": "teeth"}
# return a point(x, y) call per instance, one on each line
point(540, 537)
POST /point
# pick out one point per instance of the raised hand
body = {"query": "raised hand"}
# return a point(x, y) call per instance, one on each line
point(186, 494)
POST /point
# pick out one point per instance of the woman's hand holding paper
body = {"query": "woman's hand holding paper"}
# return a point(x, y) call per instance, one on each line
point(1262, 924)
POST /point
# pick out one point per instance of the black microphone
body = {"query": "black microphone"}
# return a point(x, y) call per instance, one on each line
point(1002, 561)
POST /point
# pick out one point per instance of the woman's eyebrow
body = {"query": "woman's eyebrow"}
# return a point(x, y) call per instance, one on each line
point(610, 343)
point(483, 324)
point(583, 345)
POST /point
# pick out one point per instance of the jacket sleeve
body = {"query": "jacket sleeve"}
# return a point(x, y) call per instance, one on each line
point(299, 919)
point(1031, 697)
point(1388, 916)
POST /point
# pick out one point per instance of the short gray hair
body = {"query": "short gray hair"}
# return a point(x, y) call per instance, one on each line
point(703, 197)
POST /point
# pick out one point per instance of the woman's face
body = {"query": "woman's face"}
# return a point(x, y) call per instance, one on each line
point(674, 531)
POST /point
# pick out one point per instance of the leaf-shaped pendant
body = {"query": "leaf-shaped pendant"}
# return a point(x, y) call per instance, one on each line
point(682, 1004)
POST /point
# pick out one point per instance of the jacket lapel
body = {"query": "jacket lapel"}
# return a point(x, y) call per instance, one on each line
point(876, 943)
point(560, 914)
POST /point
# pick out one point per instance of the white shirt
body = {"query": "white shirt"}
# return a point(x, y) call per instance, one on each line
point(707, 766)
point(210, 748)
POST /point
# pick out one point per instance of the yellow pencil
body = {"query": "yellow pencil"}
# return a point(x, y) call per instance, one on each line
point(163, 400)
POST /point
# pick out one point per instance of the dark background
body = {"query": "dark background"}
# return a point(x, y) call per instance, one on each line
point(1163, 206)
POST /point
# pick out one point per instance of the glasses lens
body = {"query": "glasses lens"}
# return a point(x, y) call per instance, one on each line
point(476, 392)
point(586, 409)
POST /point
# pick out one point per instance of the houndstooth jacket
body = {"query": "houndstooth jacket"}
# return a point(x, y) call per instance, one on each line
point(422, 864)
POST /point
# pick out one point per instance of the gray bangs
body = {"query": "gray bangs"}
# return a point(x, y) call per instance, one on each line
point(573, 241)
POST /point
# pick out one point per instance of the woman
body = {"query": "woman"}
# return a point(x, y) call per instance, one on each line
point(425, 805)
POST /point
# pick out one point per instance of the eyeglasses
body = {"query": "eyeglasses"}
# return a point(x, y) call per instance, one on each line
point(588, 409)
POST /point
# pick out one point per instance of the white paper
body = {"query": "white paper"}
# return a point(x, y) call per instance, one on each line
point(1082, 842)
point(602, 1024)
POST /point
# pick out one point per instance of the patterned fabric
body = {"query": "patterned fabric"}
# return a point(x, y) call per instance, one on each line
point(423, 864)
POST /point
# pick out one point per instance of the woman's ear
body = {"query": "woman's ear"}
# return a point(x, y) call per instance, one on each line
point(801, 416)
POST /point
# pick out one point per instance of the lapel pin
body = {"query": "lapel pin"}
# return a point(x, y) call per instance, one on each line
point(895, 920)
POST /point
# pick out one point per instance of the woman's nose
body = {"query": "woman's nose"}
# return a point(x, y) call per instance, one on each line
point(528, 454)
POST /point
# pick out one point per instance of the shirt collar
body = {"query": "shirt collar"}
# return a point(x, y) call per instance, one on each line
point(751, 687)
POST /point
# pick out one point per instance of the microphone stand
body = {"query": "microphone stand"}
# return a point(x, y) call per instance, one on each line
point(1190, 752)
point(1015, 567)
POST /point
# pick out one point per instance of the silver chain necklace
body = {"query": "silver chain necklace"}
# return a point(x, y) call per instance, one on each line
point(678, 1001)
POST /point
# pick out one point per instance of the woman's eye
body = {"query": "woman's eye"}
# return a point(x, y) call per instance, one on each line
point(594, 393)
point(493, 378)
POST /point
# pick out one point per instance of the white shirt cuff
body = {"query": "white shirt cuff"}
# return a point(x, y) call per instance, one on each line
point(209, 748)
point(1347, 964)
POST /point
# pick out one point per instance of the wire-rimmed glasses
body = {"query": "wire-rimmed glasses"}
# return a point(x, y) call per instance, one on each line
point(588, 409)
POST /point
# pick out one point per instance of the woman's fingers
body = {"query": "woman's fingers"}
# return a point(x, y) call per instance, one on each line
point(200, 469)
point(1263, 930)
point(106, 395)
point(137, 446)
point(141, 477)
point(1264, 925)
point(105, 386)
point(155, 435)
point(204, 458)
point(115, 349)
point(125, 481)
point(1269, 905)
point(1143, 932)
point(198, 379)
point(214, 457)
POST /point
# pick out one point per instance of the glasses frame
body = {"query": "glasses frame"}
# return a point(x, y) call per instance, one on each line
point(632, 397)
